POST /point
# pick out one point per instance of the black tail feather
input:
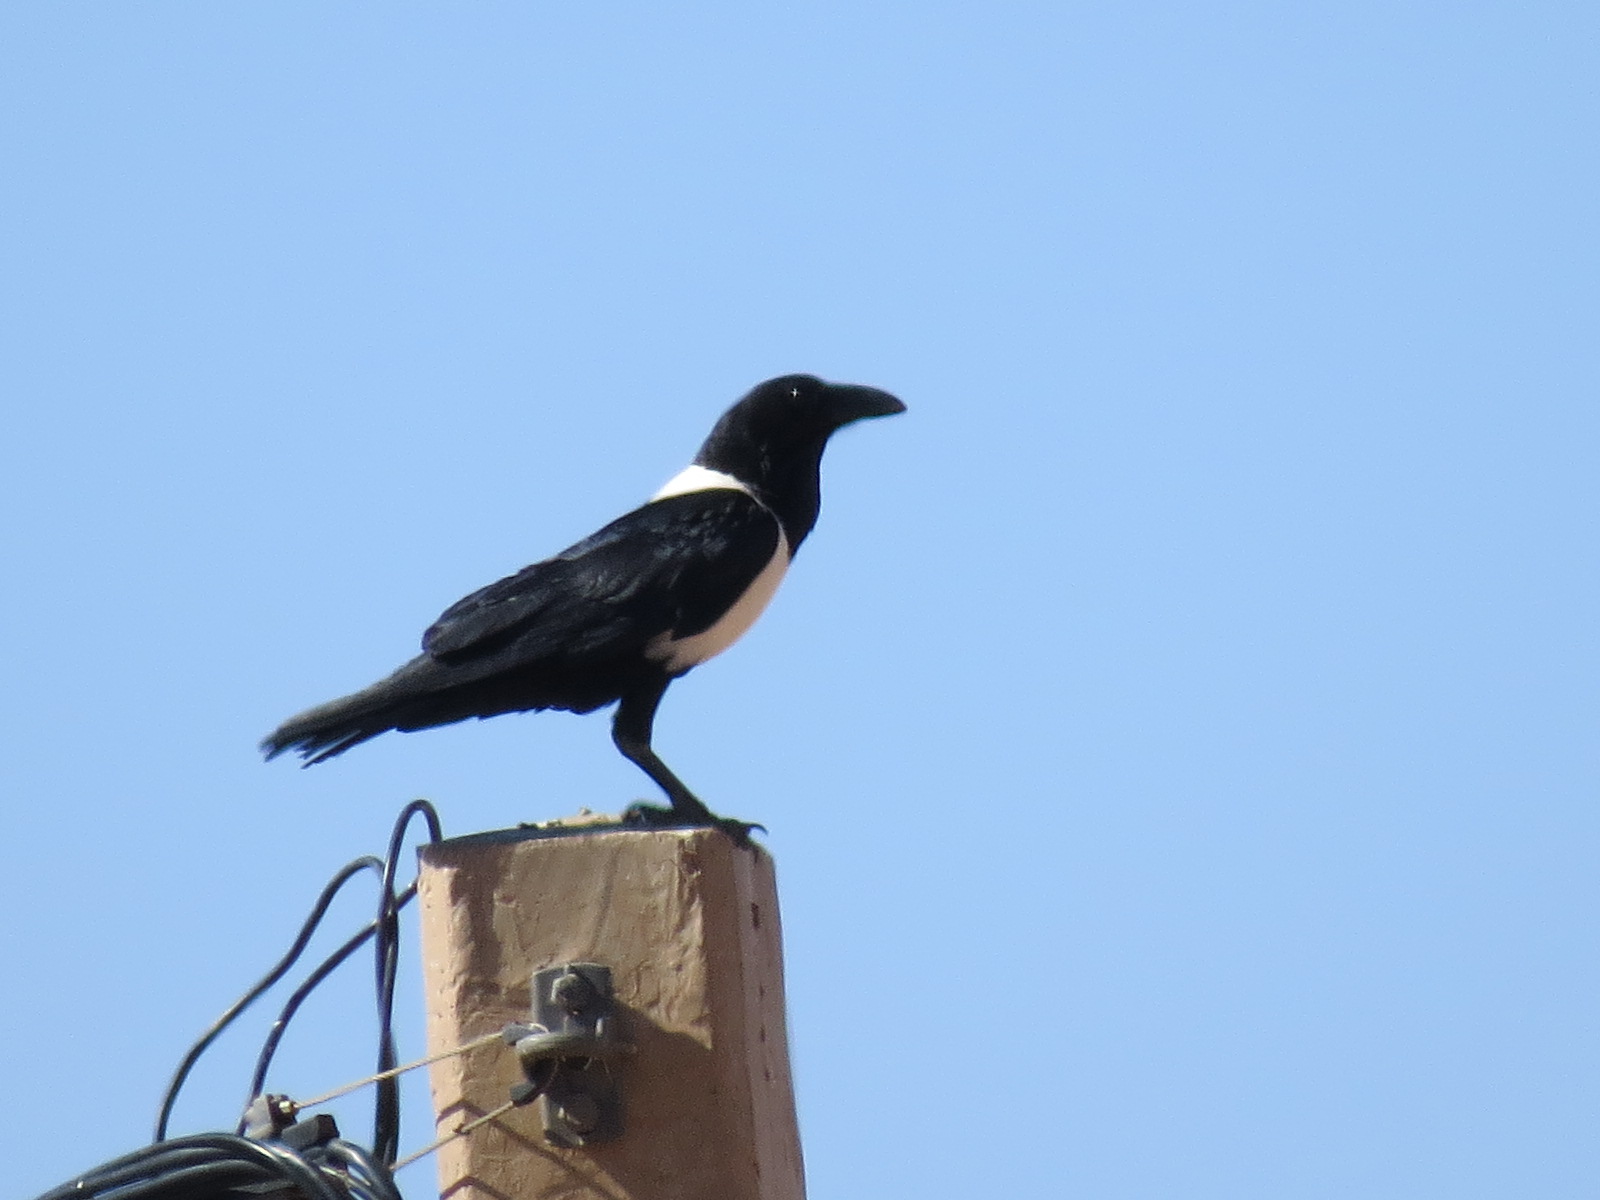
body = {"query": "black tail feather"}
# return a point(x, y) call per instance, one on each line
point(329, 729)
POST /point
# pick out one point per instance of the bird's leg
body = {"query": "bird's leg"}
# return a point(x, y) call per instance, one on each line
point(630, 730)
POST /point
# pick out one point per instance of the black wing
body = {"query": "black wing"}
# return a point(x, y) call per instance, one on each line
point(673, 566)
point(570, 632)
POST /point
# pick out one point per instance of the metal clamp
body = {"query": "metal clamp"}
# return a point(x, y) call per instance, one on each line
point(567, 1053)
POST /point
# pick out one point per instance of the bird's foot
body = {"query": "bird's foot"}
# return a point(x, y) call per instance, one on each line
point(654, 816)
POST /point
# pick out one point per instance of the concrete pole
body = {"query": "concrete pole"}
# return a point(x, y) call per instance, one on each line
point(688, 923)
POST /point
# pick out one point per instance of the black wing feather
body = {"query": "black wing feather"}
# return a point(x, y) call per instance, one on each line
point(569, 632)
point(674, 566)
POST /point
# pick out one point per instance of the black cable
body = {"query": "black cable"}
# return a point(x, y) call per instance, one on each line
point(375, 1180)
point(386, 1118)
point(386, 926)
point(205, 1182)
point(291, 1006)
point(138, 1165)
point(208, 1166)
point(181, 1075)
point(170, 1170)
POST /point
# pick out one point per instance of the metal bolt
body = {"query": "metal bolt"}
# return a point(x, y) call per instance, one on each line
point(572, 992)
point(580, 1112)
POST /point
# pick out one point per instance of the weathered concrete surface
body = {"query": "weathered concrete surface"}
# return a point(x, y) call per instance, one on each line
point(688, 923)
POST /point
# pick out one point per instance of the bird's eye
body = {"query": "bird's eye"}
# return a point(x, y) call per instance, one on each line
point(795, 392)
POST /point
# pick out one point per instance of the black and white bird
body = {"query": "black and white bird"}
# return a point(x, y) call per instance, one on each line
point(620, 615)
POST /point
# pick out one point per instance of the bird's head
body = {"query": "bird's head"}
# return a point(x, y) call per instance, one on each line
point(790, 417)
point(772, 440)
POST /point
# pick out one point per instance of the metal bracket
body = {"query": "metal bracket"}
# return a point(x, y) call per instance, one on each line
point(568, 1051)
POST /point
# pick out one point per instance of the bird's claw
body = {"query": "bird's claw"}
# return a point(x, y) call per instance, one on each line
point(739, 830)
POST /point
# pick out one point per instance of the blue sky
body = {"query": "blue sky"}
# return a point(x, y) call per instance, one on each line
point(1178, 738)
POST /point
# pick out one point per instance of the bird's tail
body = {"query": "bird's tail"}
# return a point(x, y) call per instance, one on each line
point(328, 729)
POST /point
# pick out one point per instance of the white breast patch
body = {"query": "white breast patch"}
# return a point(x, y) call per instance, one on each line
point(679, 654)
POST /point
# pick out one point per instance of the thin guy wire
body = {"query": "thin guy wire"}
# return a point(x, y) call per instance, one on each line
point(470, 1126)
point(394, 1071)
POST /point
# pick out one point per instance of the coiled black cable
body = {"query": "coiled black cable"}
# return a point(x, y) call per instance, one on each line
point(206, 1166)
point(308, 1158)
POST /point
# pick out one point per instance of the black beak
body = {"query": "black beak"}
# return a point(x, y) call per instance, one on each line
point(852, 402)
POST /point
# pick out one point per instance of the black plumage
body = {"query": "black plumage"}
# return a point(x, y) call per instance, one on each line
point(619, 615)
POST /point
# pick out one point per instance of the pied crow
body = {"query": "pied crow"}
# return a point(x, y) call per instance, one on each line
point(620, 615)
